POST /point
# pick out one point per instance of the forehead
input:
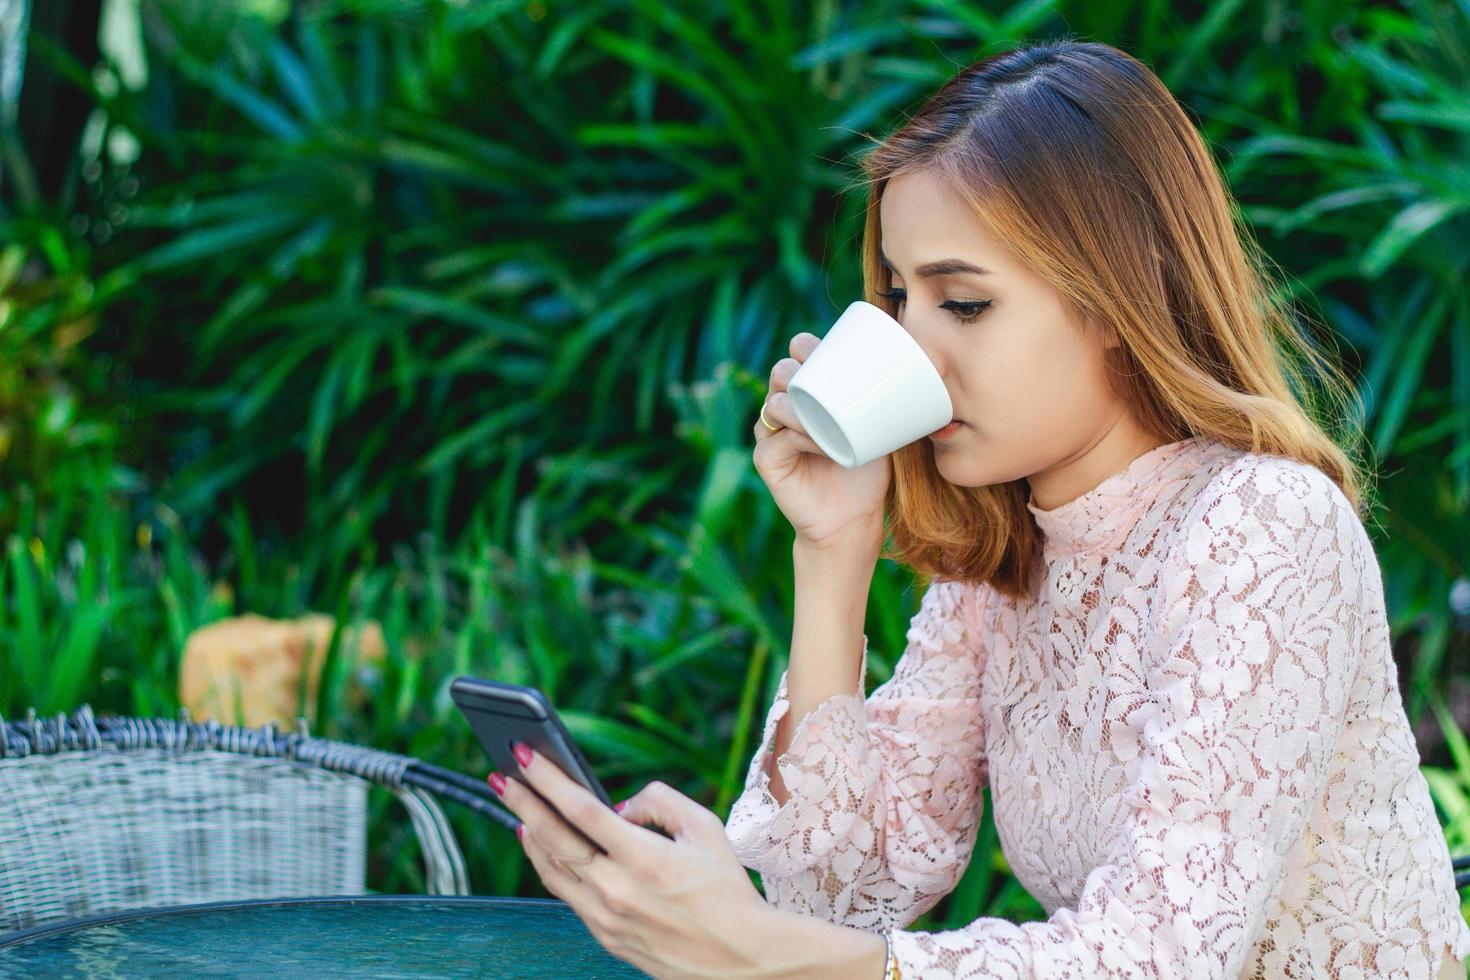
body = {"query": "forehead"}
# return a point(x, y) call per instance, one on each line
point(922, 218)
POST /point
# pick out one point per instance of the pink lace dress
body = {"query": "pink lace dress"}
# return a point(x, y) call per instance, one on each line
point(1194, 740)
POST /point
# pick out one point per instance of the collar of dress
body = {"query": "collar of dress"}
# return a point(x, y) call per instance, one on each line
point(1102, 515)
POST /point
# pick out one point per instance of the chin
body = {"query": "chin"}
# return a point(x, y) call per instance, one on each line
point(965, 468)
point(956, 467)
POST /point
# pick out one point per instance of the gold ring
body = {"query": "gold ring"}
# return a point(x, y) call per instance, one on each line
point(768, 425)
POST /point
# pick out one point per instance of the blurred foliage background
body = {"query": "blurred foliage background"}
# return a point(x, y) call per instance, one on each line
point(456, 316)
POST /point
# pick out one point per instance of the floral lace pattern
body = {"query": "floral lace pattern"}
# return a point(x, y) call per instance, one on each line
point(1194, 741)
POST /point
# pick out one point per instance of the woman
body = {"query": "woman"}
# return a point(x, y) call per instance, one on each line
point(1155, 625)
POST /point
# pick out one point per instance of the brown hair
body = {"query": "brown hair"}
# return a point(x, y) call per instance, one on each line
point(1077, 156)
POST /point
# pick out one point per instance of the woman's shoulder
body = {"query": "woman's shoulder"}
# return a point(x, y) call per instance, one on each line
point(957, 600)
point(1269, 501)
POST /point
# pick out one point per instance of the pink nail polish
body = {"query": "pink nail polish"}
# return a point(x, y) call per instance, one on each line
point(619, 807)
point(497, 783)
point(523, 754)
point(521, 832)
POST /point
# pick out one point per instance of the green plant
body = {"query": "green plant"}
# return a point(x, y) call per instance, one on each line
point(47, 379)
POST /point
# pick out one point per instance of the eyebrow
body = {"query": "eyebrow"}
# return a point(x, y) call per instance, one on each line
point(943, 267)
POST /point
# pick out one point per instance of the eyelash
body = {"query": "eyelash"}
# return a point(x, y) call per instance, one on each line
point(964, 312)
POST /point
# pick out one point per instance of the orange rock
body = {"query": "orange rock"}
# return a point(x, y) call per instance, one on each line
point(250, 670)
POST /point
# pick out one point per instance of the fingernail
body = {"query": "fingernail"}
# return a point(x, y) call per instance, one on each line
point(497, 783)
point(619, 807)
point(521, 832)
point(523, 754)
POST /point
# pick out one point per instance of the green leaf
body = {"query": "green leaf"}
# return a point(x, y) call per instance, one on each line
point(1460, 394)
point(209, 242)
point(615, 740)
point(1409, 375)
point(1199, 39)
point(429, 304)
point(1346, 198)
point(264, 112)
point(29, 637)
point(1448, 115)
point(73, 667)
point(859, 40)
point(483, 431)
point(1403, 230)
point(296, 81)
point(322, 412)
point(724, 479)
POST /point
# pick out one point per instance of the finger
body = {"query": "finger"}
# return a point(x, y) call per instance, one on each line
point(766, 423)
point(790, 438)
point(659, 804)
point(803, 344)
point(558, 880)
point(580, 809)
point(780, 412)
point(781, 373)
point(542, 821)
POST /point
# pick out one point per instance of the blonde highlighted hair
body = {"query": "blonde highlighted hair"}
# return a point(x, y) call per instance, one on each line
point(1077, 157)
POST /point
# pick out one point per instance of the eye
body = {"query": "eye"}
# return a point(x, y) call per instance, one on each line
point(964, 311)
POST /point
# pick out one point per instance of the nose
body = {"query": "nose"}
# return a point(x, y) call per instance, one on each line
point(932, 351)
point(926, 344)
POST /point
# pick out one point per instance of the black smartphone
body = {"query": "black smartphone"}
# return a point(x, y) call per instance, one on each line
point(502, 714)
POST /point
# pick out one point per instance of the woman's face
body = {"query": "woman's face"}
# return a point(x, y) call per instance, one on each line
point(1029, 385)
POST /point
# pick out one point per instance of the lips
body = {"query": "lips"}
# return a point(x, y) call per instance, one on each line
point(954, 424)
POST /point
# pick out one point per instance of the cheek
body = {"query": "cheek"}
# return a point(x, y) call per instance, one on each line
point(1040, 380)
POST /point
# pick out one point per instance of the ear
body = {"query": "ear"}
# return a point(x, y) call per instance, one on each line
point(1106, 336)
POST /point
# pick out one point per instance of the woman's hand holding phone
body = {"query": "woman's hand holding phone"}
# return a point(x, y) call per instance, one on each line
point(671, 907)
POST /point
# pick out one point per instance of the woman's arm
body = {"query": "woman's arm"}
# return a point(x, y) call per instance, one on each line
point(827, 634)
point(885, 794)
point(800, 946)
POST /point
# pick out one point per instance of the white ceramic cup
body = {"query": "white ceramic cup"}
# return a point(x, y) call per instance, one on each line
point(868, 388)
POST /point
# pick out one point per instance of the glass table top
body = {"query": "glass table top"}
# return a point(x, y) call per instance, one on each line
point(375, 935)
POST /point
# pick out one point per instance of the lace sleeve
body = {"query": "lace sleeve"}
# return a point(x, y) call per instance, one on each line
point(885, 794)
point(1260, 618)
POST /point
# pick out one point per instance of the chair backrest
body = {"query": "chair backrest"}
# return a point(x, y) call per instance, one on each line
point(121, 813)
point(98, 831)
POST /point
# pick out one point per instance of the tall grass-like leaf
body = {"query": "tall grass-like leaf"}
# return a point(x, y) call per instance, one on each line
point(1410, 371)
point(261, 110)
point(1348, 197)
point(1460, 393)
point(424, 303)
point(1199, 39)
point(70, 672)
point(31, 655)
point(736, 758)
point(480, 432)
point(1448, 115)
point(1407, 227)
point(213, 241)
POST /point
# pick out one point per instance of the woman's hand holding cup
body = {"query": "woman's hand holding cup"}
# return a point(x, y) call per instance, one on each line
point(837, 407)
point(824, 501)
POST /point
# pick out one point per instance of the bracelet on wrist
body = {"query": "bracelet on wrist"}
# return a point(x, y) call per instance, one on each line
point(890, 966)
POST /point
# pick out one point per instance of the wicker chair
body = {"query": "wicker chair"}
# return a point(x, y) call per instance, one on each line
point(104, 814)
